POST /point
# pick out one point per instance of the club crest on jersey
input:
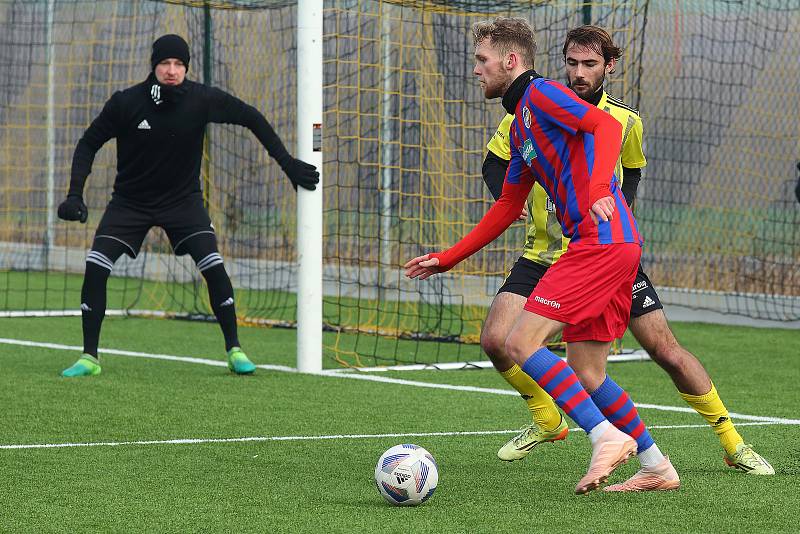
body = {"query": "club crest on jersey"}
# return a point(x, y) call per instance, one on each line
point(528, 152)
point(526, 116)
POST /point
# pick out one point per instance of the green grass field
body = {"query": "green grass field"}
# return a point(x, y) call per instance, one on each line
point(319, 475)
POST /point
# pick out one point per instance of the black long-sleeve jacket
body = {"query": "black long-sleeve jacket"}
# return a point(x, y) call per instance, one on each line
point(160, 146)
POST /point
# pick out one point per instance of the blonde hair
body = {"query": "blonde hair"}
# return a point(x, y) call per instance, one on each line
point(508, 34)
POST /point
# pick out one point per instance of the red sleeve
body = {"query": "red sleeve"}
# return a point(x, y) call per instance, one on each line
point(607, 133)
point(504, 212)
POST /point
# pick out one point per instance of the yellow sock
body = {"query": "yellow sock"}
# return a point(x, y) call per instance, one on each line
point(543, 409)
point(711, 408)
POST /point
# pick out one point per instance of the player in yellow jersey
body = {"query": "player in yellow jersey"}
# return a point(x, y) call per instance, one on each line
point(590, 54)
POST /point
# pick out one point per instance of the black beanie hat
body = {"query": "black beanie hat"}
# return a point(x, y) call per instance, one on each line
point(168, 46)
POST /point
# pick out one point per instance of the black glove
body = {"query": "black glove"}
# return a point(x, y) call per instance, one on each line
point(300, 173)
point(797, 188)
point(73, 209)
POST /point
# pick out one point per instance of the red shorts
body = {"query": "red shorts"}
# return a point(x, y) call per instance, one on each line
point(589, 288)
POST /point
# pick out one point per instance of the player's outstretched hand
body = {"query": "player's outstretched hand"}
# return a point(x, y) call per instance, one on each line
point(603, 209)
point(301, 173)
point(422, 267)
point(73, 209)
point(523, 216)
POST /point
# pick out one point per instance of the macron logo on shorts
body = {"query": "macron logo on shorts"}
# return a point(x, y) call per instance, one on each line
point(546, 302)
point(144, 125)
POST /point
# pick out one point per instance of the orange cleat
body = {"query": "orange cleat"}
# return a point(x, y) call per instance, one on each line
point(612, 450)
point(659, 478)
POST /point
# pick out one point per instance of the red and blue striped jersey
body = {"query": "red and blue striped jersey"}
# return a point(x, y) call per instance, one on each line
point(549, 146)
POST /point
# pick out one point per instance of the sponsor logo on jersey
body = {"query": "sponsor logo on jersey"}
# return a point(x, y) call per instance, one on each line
point(144, 125)
point(547, 302)
point(528, 152)
point(526, 116)
point(647, 301)
point(639, 285)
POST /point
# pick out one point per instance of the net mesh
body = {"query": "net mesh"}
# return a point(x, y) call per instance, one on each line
point(405, 134)
point(720, 92)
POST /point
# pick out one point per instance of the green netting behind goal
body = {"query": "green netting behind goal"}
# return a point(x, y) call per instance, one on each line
point(405, 129)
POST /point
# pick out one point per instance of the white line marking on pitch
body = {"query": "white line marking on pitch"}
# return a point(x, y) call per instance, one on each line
point(683, 409)
point(316, 438)
point(367, 377)
point(134, 354)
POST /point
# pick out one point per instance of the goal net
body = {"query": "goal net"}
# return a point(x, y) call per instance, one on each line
point(405, 131)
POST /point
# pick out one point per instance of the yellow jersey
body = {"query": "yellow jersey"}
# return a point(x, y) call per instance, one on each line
point(544, 242)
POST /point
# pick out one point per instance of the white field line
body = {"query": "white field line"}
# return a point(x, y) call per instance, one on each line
point(637, 355)
point(197, 441)
point(134, 354)
point(682, 409)
point(367, 377)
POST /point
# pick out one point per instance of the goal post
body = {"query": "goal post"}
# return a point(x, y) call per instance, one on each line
point(309, 203)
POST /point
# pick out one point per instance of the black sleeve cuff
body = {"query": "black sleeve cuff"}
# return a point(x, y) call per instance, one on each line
point(630, 183)
point(494, 173)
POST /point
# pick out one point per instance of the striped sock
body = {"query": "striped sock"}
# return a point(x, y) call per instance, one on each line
point(93, 301)
point(619, 409)
point(559, 380)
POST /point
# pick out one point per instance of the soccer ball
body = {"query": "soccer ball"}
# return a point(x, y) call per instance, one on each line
point(406, 475)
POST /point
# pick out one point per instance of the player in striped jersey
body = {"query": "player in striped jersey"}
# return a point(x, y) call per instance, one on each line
point(570, 148)
point(589, 54)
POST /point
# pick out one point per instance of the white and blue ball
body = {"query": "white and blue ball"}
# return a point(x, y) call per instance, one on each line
point(406, 475)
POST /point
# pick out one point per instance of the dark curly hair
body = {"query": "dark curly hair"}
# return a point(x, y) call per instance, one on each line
point(593, 38)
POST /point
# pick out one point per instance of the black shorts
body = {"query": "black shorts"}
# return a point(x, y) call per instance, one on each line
point(129, 224)
point(645, 298)
point(525, 274)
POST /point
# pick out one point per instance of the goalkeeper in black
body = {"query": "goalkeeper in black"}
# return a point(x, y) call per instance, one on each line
point(159, 126)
